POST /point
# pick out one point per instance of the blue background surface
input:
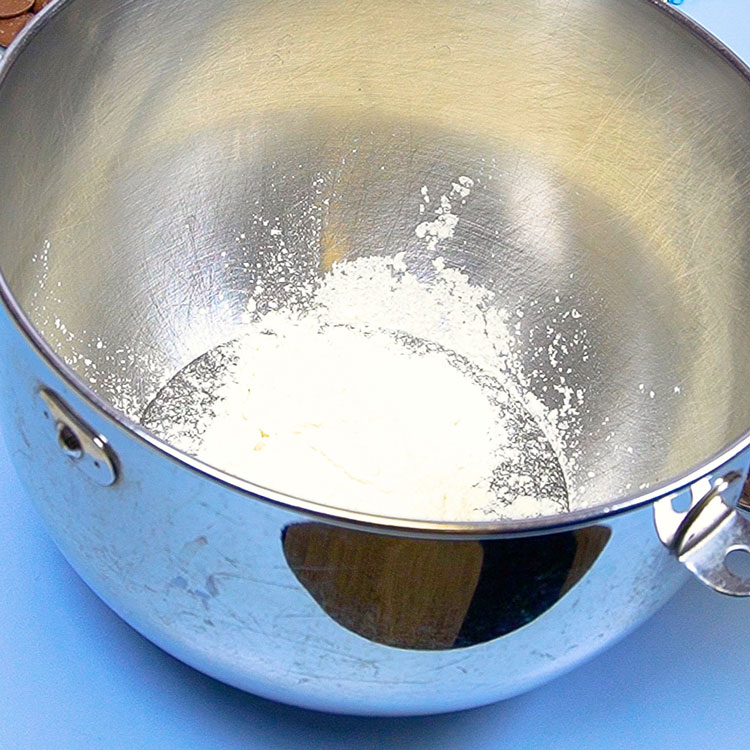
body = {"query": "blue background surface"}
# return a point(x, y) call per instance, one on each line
point(72, 675)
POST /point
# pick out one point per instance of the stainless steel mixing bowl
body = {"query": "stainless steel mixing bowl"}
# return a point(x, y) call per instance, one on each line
point(142, 147)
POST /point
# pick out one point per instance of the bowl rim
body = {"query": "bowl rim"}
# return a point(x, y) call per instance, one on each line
point(332, 514)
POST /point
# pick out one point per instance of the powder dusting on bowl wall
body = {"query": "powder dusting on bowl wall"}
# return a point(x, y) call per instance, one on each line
point(378, 388)
point(413, 403)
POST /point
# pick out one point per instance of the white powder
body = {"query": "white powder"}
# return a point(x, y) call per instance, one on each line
point(358, 421)
point(429, 409)
point(444, 224)
point(381, 392)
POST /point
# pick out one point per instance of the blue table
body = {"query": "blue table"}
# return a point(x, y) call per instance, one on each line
point(72, 675)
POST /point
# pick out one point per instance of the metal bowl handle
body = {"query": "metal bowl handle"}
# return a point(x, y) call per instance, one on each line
point(80, 444)
point(705, 523)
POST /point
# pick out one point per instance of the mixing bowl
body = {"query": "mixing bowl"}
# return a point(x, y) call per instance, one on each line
point(147, 149)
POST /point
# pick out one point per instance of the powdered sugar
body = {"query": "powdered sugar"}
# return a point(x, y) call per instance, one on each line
point(444, 224)
point(382, 391)
point(414, 305)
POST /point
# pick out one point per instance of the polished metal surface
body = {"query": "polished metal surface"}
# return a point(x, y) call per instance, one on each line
point(387, 625)
point(708, 558)
point(86, 449)
point(610, 173)
point(705, 524)
point(148, 141)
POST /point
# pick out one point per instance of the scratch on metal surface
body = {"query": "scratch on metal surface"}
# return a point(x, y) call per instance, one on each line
point(633, 87)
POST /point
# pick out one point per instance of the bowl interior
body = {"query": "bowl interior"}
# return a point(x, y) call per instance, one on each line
point(153, 155)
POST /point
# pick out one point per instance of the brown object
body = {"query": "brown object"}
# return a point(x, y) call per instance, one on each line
point(744, 501)
point(589, 545)
point(39, 4)
point(407, 593)
point(424, 595)
point(10, 27)
point(12, 8)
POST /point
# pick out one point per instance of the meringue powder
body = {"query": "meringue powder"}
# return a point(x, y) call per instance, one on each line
point(377, 390)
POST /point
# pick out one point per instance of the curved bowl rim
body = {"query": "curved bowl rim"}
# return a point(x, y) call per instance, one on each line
point(337, 516)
